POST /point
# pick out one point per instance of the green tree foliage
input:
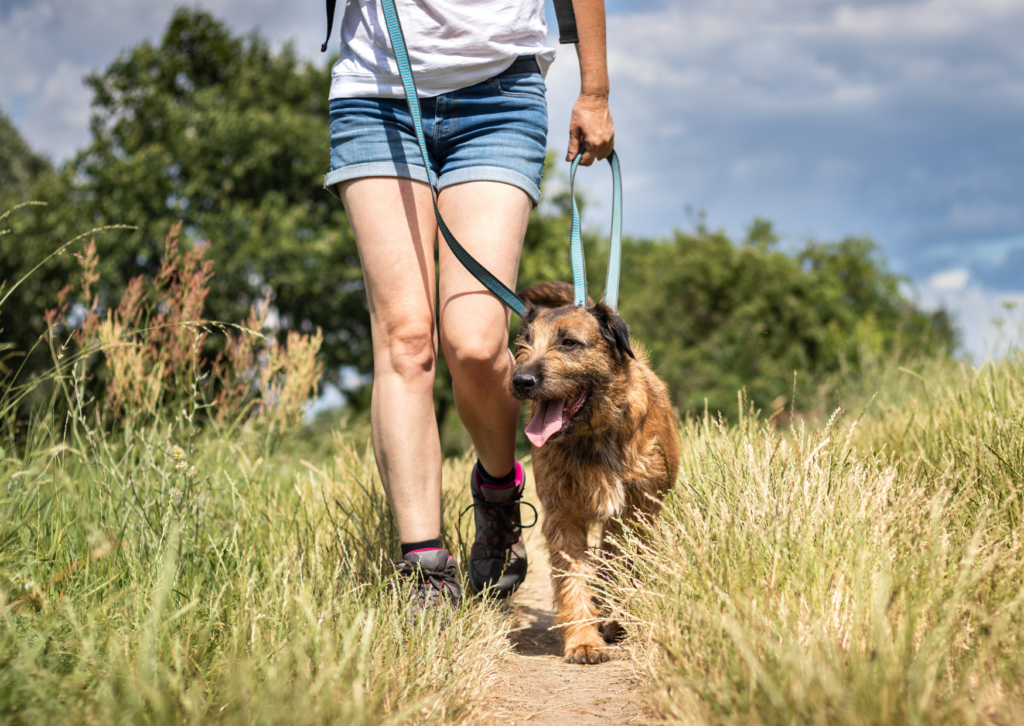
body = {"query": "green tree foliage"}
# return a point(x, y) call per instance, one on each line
point(546, 247)
point(717, 316)
point(20, 167)
point(229, 137)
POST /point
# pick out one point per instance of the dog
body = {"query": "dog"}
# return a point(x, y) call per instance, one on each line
point(605, 443)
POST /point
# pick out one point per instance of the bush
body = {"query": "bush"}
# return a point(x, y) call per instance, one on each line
point(718, 317)
point(150, 352)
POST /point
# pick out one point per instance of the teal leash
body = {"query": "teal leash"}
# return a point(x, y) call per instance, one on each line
point(469, 262)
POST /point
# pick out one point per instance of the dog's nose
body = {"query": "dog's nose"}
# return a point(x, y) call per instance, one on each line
point(524, 382)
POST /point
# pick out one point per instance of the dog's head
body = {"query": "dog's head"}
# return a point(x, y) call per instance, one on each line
point(566, 357)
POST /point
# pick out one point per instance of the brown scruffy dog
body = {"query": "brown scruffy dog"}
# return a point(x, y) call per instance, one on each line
point(605, 444)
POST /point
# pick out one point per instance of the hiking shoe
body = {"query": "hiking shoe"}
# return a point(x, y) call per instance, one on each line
point(497, 559)
point(433, 578)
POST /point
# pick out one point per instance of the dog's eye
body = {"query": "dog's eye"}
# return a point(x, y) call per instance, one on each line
point(570, 343)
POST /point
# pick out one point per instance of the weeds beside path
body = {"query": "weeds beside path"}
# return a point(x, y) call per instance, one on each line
point(869, 571)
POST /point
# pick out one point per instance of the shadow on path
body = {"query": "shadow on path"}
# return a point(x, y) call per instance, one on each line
point(532, 685)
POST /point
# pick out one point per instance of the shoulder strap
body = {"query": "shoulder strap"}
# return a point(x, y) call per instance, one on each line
point(566, 17)
point(330, 23)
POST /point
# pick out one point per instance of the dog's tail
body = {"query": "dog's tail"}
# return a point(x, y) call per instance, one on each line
point(550, 295)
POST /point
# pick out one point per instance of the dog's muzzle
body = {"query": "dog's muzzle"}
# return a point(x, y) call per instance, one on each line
point(524, 383)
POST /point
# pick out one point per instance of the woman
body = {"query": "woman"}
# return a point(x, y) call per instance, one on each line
point(479, 69)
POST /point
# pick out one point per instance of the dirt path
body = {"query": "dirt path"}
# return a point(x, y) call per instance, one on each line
point(536, 687)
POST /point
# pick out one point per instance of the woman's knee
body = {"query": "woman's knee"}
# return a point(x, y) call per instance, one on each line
point(410, 349)
point(476, 359)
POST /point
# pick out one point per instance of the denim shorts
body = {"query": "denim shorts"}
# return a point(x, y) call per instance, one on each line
point(494, 131)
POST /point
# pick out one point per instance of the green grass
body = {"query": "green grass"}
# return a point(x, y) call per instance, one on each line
point(866, 571)
point(182, 550)
point(254, 591)
point(869, 571)
point(176, 547)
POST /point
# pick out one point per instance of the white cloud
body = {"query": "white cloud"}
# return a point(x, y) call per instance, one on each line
point(990, 322)
point(47, 46)
point(57, 117)
point(896, 118)
point(949, 281)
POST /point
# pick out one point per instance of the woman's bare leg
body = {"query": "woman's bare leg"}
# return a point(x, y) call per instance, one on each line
point(489, 219)
point(393, 221)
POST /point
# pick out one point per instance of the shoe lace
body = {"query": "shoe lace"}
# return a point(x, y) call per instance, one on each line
point(431, 585)
point(502, 523)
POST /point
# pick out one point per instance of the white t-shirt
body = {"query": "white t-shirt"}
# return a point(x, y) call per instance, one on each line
point(452, 44)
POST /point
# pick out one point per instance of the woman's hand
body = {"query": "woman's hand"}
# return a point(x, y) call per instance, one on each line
point(591, 125)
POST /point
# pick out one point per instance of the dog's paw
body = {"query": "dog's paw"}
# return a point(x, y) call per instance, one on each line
point(611, 631)
point(585, 650)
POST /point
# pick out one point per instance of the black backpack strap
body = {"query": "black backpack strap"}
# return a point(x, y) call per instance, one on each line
point(566, 18)
point(330, 23)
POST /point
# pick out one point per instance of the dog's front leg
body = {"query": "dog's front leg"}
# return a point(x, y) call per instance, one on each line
point(577, 614)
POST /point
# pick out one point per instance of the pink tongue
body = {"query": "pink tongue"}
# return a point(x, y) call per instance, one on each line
point(546, 422)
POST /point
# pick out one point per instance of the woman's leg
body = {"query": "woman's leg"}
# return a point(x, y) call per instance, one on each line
point(393, 221)
point(489, 219)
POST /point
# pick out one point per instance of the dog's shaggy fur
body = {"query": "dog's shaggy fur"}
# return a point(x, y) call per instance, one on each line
point(605, 441)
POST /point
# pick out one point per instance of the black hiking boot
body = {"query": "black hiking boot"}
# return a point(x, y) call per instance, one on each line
point(497, 559)
point(433, 580)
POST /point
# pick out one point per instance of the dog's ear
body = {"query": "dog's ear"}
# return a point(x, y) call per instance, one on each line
point(531, 315)
point(613, 330)
point(549, 295)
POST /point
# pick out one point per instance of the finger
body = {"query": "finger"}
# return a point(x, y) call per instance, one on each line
point(588, 155)
point(603, 151)
point(574, 147)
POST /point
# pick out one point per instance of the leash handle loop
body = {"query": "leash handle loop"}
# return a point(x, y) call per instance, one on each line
point(579, 267)
point(579, 270)
point(478, 271)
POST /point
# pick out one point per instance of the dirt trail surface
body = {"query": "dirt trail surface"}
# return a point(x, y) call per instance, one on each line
point(534, 686)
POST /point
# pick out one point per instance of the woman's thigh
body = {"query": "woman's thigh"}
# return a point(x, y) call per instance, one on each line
point(487, 142)
point(394, 226)
point(489, 219)
point(490, 142)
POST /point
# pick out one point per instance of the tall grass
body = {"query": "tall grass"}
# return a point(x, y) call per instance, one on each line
point(250, 589)
point(868, 572)
point(166, 558)
point(174, 548)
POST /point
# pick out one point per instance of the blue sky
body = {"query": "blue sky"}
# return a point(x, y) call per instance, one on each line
point(899, 119)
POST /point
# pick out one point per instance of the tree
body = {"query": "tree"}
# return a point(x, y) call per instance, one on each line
point(230, 138)
point(20, 167)
point(717, 317)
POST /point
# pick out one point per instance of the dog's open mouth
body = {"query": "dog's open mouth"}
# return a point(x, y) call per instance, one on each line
point(553, 417)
